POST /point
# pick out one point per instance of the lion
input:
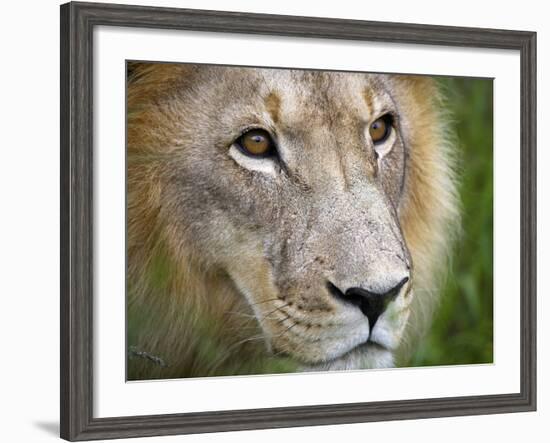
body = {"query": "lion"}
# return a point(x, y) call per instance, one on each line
point(283, 220)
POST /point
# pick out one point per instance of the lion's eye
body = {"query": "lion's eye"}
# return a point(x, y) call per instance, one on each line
point(256, 143)
point(380, 129)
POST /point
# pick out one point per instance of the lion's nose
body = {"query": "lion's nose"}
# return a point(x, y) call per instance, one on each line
point(372, 304)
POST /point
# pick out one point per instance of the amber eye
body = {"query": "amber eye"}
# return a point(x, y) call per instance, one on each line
point(380, 129)
point(256, 143)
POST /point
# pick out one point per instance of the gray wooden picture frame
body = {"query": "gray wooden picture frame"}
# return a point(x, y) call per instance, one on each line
point(77, 23)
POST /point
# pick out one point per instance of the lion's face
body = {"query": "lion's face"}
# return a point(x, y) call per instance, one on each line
point(290, 182)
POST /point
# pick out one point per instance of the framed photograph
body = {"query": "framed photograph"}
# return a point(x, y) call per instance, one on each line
point(272, 221)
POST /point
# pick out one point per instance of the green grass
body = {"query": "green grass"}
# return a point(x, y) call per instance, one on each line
point(462, 331)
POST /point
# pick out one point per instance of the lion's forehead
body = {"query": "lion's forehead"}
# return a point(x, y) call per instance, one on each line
point(327, 97)
point(294, 95)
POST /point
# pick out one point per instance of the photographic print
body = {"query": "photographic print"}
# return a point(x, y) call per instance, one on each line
point(286, 238)
point(283, 220)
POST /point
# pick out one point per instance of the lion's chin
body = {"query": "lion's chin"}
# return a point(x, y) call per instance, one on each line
point(367, 356)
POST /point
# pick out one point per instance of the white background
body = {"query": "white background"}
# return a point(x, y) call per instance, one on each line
point(29, 238)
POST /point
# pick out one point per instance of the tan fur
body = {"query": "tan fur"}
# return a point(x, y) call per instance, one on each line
point(273, 104)
point(206, 310)
point(430, 217)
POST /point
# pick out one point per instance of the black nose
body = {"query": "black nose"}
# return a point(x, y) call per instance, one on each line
point(372, 304)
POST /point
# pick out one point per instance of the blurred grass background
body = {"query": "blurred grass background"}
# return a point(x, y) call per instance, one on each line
point(462, 331)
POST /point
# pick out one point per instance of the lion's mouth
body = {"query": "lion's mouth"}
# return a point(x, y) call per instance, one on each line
point(365, 347)
point(368, 355)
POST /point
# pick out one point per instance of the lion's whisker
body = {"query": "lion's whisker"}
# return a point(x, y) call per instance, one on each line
point(265, 301)
point(273, 311)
